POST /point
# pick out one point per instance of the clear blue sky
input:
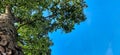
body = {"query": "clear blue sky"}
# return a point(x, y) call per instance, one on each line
point(98, 35)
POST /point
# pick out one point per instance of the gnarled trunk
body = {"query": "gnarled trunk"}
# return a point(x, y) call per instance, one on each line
point(8, 34)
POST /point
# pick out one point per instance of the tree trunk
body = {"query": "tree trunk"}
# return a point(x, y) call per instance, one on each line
point(8, 34)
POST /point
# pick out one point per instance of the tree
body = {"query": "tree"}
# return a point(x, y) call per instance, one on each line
point(23, 23)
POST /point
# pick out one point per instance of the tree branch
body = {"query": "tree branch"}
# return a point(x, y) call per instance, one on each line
point(29, 22)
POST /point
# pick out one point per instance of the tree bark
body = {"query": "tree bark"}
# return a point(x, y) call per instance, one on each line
point(8, 34)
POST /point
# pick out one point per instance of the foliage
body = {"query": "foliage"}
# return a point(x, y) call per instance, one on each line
point(33, 26)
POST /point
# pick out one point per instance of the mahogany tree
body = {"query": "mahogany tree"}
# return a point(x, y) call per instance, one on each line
point(25, 24)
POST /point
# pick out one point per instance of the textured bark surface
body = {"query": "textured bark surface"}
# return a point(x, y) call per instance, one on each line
point(8, 34)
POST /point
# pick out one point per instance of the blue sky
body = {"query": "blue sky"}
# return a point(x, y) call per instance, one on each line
point(98, 35)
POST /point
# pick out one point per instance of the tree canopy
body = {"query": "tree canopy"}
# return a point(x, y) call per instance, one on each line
point(37, 18)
